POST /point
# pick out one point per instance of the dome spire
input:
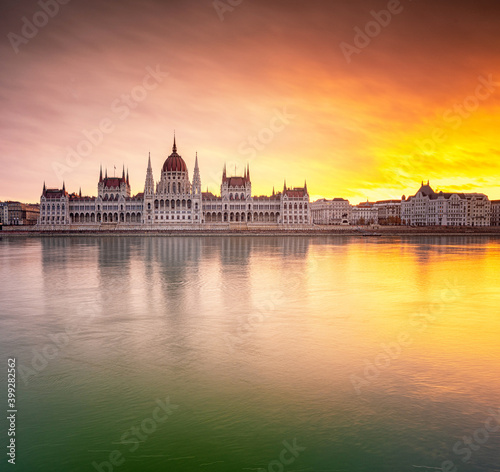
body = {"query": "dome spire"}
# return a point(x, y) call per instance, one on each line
point(174, 147)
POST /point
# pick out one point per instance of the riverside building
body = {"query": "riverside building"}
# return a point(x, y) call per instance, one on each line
point(430, 208)
point(173, 202)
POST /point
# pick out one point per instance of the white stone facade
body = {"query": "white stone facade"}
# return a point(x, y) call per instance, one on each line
point(430, 208)
point(173, 202)
point(331, 212)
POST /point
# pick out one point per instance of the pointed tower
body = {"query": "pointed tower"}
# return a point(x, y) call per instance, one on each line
point(106, 173)
point(150, 183)
point(44, 188)
point(174, 147)
point(79, 193)
point(284, 186)
point(149, 192)
point(128, 181)
point(248, 172)
point(100, 174)
point(196, 193)
point(224, 177)
point(123, 173)
point(305, 187)
point(196, 187)
point(64, 187)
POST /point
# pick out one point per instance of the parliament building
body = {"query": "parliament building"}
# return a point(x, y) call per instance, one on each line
point(174, 202)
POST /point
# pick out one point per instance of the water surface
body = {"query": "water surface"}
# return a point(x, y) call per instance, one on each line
point(368, 354)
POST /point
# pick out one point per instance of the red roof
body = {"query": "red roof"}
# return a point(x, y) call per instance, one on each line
point(295, 193)
point(236, 181)
point(209, 196)
point(174, 163)
point(113, 182)
point(54, 193)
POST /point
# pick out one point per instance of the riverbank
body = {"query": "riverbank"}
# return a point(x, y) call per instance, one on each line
point(379, 231)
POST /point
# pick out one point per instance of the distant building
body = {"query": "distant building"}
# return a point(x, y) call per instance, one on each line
point(17, 213)
point(389, 212)
point(174, 201)
point(365, 213)
point(430, 208)
point(4, 213)
point(495, 213)
point(331, 212)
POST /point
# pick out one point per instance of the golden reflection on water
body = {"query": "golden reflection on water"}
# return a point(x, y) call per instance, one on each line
point(268, 332)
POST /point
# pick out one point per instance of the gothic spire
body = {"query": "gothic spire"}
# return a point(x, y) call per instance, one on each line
point(128, 182)
point(150, 183)
point(196, 177)
point(123, 172)
point(174, 147)
point(100, 174)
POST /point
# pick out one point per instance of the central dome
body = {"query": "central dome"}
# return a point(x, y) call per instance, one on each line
point(174, 162)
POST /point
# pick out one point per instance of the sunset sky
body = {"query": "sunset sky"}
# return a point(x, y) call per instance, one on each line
point(281, 85)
